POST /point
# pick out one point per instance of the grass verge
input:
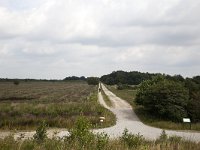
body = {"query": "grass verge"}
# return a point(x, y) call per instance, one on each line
point(125, 94)
point(106, 98)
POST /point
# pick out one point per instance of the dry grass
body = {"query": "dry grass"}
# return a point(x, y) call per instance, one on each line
point(25, 105)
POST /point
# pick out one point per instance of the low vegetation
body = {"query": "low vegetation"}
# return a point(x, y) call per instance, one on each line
point(81, 138)
point(106, 98)
point(58, 103)
point(93, 80)
point(126, 94)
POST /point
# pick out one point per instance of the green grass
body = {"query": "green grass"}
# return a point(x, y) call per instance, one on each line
point(89, 141)
point(126, 94)
point(25, 105)
point(106, 98)
point(147, 118)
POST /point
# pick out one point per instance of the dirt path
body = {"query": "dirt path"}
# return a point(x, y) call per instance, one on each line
point(126, 118)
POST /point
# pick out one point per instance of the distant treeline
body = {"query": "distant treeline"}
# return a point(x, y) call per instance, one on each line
point(74, 78)
point(27, 80)
point(122, 77)
point(135, 77)
point(70, 78)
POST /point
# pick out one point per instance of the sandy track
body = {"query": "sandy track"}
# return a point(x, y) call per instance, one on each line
point(126, 118)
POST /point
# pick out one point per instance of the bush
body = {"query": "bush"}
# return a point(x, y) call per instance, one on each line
point(81, 133)
point(123, 86)
point(41, 132)
point(102, 140)
point(120, 87)
point(165, 98)
point(132, 140)
point(163, 137)
point(16, 82)
point(93, 80)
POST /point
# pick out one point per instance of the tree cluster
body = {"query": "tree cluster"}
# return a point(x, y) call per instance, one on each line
point(93, 80)
point(171, 97)
point(129, 78)
point(193, 107)
point(74, 78)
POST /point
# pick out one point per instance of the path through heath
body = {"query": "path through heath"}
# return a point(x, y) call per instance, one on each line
point(126, 118)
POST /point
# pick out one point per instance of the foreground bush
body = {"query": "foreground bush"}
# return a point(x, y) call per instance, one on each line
point(41, 132)
point(131, 140)
point(82, 139)
point(100, 142)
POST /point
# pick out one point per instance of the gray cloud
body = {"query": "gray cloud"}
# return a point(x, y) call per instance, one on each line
point(54, 39)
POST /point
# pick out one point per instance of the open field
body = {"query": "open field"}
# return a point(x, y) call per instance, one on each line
point(23, 106)
point(147, 118)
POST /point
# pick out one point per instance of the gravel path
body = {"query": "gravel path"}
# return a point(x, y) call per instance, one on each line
point(126, 118)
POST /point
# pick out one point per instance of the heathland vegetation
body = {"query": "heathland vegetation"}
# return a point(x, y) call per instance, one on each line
point(81, 138)
point(59, 103)
point(159, 100)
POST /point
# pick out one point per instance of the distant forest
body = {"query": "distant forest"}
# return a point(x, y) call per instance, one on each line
point(135, 77)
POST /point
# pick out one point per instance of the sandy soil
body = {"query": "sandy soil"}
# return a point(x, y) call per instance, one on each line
point(126, 118)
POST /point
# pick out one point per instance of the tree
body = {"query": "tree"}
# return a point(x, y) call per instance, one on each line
point(163, 97)
point(93, 80)
point(122, 77)
point(194, 106)
point(74, 78)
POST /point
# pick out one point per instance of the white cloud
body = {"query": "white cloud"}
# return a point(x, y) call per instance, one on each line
point(53, 39)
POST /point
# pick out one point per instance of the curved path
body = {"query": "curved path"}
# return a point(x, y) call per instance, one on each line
point(126, 118)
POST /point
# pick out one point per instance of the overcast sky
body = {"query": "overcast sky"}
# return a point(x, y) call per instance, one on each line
point(57, 38)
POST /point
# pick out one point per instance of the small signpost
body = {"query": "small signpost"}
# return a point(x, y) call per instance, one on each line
point(101, 119)
point(187, 120)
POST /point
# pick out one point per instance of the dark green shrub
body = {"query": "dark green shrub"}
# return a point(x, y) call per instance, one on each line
point(93, 80)
point(120, 87)
point(80, 132)
point(102, 140)
point(124, 86)
point(41, 132)
point(163, 137)
point(194, 106)
point(164, 98)
point(16, 82)
point(132, 140)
